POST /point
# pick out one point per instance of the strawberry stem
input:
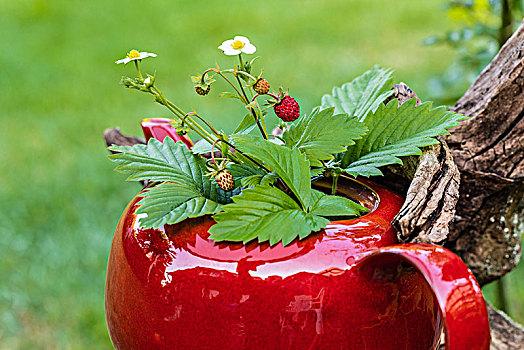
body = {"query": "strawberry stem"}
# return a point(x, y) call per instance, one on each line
point(334, 184)
point(255, 115)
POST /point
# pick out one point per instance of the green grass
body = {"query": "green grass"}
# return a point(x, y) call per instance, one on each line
point(60, 89)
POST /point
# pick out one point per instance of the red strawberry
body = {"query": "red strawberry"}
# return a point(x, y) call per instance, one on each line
point(261, 87)
point(287, 109)
point(225, 180)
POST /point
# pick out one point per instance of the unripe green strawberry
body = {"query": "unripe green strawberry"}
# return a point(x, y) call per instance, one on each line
point(225, 180)
point(287, 109)
point(202, 91)
point(261, 87)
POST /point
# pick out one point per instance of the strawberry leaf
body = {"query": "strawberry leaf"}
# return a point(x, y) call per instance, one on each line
point(321, 134)
point(362, 95)
point(246, 125)
point(290, 165)
point(396, 132)
point(170, 203)
point(190, 192)
point(250, 176)
point(160, 161)
point(326, 205)
point(201, 147)
point(264, 213)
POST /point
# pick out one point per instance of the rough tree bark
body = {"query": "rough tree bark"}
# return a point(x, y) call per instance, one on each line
point(467, 191)
point(489, 151)
point(482, 219)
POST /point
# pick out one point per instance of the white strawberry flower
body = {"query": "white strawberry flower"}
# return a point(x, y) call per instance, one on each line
point(134, 55)
point(237, 45)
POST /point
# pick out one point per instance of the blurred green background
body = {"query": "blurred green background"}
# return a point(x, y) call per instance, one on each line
point(60, 89)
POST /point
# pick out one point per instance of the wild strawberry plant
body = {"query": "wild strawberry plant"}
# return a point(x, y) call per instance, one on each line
point(258, 186)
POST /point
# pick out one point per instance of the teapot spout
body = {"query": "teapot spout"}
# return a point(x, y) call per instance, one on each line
point(459, 297)
point(160, 128)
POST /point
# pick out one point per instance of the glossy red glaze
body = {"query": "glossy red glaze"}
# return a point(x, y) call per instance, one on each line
point(459, 296)
point(159, 128)
point(349, 286)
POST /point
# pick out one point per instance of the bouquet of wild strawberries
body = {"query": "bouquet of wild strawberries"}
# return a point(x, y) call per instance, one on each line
point(258, 185)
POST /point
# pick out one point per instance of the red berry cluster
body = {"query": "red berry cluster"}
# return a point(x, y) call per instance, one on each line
point(287, 109)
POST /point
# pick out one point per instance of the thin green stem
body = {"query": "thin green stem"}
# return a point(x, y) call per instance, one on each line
point(213, 130)
point(335, 176)
point(255, 115)
point(181, 115)
point(138, 69)
point(213, 152)
point(203, 131)
point(262, 119)
point(246, 74)
point(245, 155)
point(241, 62)
point(228, 81)
point(242, 88)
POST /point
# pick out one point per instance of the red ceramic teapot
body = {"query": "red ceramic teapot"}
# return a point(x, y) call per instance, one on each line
point(350, 286)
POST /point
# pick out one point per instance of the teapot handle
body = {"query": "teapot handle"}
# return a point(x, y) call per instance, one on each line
point(160, 128)
point(462, 306)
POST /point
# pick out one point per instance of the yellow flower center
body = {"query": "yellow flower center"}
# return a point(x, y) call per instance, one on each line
point(237, 45)
point(133, 54)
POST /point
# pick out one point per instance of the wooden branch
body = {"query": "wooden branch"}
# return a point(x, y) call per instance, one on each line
point(115, 137)
point(431, 192)
point(431, 199)
point(506, 334)
point(489, 152)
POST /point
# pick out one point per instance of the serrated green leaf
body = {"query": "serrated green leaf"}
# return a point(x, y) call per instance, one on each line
point(326, 205)
point(174, 162)
point(170, 203)
point(362, 95)
point(242, 170)
point(321, 134)
point(201, 147)
point(246, 125)
point(249, 176)
point(159, 161)
point(396, 132)
point(290, 165)
point(254, 180)
point(315, 172)
point(265, 213)
point(228, 95)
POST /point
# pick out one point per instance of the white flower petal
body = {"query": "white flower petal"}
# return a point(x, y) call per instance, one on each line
point(147, 54)
point(226, 45)
point(141, 55)
point(249, 49)
point(242, 39)
point(124, 61)
point(231, 51)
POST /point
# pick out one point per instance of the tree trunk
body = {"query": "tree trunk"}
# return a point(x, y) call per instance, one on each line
point(481, 220)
